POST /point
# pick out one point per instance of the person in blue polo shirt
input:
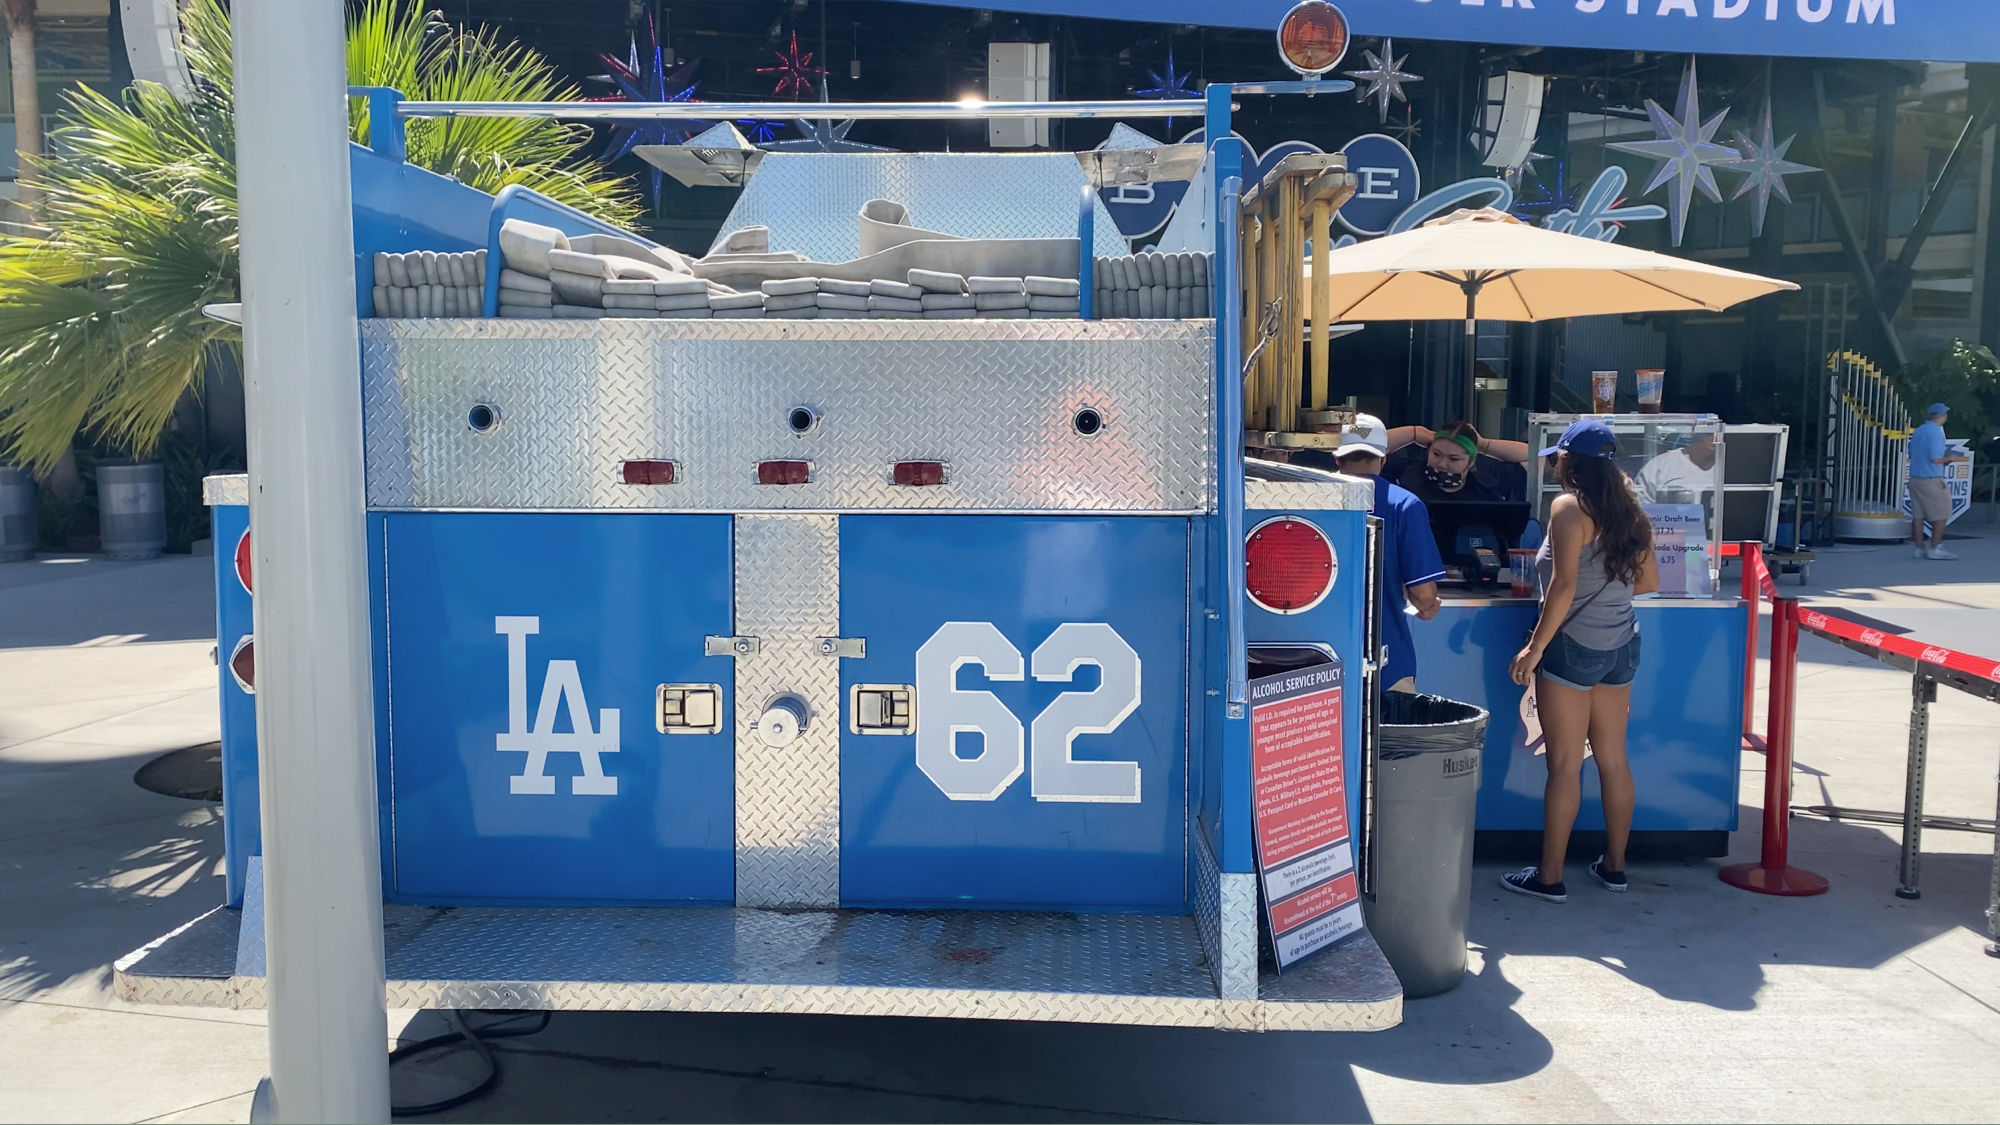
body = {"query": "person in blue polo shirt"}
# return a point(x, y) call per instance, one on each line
point(1410, 563)
point(1930, 495)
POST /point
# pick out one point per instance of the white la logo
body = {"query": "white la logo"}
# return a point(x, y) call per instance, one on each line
point(561, 687)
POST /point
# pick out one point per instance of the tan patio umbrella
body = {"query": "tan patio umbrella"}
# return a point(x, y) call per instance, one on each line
point(1487, 265)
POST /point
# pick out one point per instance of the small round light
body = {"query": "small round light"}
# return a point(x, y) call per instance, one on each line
point(1288, 565)
point(1313, 37)
point(243, 558)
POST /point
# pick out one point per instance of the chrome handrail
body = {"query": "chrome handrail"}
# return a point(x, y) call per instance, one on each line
point(970, 109)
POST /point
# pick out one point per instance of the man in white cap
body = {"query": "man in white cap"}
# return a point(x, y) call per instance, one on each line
point(1411, 566)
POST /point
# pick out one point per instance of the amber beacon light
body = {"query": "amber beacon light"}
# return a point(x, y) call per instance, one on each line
point(1313, 37)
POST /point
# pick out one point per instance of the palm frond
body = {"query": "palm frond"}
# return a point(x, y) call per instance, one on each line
point(100, 312)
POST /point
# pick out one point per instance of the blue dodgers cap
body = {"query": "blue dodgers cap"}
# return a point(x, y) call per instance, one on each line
point(1937, 410)
point(1586, 437)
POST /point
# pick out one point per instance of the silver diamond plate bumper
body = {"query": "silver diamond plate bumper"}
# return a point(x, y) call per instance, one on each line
point(1071, 968)
point(996, 400)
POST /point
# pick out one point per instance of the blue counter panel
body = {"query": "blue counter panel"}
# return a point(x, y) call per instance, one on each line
point(1023, 635)
point(1685, 736)
point(524, 650)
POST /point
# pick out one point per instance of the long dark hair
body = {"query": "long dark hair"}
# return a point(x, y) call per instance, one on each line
point(1624, 534)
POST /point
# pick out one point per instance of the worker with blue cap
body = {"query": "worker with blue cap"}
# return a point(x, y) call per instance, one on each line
point(1930, 494)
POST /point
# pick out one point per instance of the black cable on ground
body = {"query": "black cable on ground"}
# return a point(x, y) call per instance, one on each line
point(474, 1037)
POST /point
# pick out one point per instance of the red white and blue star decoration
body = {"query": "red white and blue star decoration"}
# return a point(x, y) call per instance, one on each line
point(1173, 86)
point(796, 73)
point(644, 77)
point(1684, 151)
point(1384, 77)
point(1764, 168)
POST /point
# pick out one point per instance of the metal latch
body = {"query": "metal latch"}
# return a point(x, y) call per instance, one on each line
point(842, 648)
point(882, 709)
point(730, 646)
point(690, 708)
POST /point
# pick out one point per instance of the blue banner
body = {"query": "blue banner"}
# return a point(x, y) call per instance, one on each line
point(1922, 30)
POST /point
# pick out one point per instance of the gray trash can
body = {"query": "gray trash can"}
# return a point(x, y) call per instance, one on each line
point(1420, 855)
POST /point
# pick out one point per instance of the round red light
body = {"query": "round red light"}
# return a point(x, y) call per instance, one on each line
point(243, 664)
point(1288, 565)
point(243, 560)
point(1313, 37)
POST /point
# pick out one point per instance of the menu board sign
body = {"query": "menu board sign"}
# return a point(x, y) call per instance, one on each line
point(1305, 847)
point(1680, 547)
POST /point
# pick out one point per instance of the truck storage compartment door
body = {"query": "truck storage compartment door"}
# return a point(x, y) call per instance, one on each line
point(535, 664)
point(1041, 759)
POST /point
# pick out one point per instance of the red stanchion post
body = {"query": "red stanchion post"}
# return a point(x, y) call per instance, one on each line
point(1751, 559)
point(1772, 874)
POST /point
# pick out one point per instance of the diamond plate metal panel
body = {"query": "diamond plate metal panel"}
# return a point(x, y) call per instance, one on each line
point(995, 399)
point(788, 798)
point(812, 201)
point(1345, 493)
point(1125, 969)
point(1238, 968)
point(225, 488)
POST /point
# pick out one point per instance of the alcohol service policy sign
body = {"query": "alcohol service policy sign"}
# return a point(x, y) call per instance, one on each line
point(1305, 846)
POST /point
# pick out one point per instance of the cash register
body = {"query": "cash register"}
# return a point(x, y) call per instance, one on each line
point(1474, 536)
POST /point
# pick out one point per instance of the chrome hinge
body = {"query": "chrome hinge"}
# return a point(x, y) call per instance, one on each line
point(730, 646)
point(842, 648)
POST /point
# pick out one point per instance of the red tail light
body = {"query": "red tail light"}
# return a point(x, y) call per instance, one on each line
point(784, 472)
point(649, 472)
point(919, 474)
point(1288, 565)
point(243, 560)
point(243, 664)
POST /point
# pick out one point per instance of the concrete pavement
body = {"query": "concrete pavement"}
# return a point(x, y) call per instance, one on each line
point(1682, 999)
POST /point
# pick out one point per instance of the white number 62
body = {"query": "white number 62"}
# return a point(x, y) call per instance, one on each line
point(945, 711)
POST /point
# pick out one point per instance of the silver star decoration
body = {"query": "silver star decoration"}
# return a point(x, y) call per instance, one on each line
point(1527, 167)
point(823, 135)
point(1385, 77)
point(1407, 130)
point(1764, 168)
point(1685, 151)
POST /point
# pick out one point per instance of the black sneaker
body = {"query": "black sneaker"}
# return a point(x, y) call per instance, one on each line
point(1524, 882)
point(1614, 881)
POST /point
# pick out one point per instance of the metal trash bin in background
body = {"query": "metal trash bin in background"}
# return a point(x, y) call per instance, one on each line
point(1420, 850)
point(17, 514)
point(131, 510)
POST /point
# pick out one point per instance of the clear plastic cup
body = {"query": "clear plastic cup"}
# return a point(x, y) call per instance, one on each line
point(1604, 391)
point(1652, 386)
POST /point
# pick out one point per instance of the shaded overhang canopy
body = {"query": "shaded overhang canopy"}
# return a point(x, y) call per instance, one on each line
point(1912, 30)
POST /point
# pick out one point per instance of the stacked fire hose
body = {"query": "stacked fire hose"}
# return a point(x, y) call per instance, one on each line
point(547, 275)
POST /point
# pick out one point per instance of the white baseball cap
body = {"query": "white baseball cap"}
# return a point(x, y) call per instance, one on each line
point(1366, 435)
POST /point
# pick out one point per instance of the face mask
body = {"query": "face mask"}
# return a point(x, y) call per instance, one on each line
point(1450, 482)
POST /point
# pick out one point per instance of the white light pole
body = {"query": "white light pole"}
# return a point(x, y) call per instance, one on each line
point(315, 730)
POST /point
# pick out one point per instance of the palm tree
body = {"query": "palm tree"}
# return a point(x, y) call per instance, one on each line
point(20, 16)
point(100, 307)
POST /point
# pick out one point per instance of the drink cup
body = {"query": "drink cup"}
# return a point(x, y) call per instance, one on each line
point(1604, 391)
point(1521, 572)
point(1652, 385)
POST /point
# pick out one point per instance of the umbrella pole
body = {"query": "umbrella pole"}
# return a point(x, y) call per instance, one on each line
point(1471, 395)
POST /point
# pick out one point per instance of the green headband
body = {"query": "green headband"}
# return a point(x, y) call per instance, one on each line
point(1471, 447)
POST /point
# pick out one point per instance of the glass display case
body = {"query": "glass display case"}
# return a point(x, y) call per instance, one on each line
point(1676, 462)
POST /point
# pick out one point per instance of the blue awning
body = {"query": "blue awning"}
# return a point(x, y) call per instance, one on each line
point(1914, 30)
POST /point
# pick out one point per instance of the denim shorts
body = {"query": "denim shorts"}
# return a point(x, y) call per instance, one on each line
point(1574, 666)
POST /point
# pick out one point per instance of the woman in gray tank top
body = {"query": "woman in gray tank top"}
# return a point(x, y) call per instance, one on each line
point(1584, 651)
